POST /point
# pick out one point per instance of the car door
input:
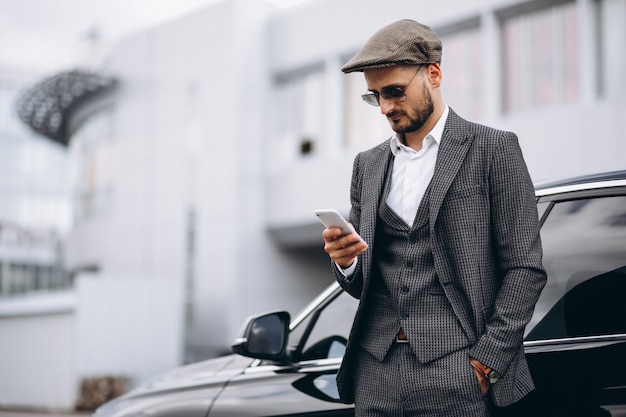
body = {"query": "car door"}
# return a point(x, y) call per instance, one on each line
point(576, 341)
point(307, 385)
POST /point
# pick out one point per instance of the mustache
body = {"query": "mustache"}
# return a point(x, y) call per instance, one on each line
point(393, 113)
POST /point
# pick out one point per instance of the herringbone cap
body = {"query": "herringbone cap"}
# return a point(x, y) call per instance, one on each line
point(403, 42)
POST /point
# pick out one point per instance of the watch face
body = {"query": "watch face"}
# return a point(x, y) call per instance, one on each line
point(493, 377)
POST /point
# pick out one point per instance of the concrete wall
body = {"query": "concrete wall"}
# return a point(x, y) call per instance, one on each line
point(105, 327)
point(189, 132)
point(37, 351)
point(128, 327)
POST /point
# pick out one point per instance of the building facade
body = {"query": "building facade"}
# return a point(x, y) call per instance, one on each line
point(195, 187)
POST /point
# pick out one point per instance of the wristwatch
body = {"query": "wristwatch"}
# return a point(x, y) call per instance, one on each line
point(492, 376)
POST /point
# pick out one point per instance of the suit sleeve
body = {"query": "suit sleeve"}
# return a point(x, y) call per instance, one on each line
point(517, 245)
point(353, 284)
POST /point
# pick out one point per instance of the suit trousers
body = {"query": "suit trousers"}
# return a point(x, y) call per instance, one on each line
point(402, 386)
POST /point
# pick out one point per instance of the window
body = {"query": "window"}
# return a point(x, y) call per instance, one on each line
point(584, 244)
point(300, 121)
point(326, 331)
point(365, 125)
point(611, 40)
point(94, 154)
point(19, 278)
point(542, 206)
point(461, 67)
point(540, 54)
point(34, 191)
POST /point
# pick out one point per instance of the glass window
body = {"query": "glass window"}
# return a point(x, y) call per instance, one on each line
point(365, 125)
point(540, 53)
point(584, 244)
point(461, 67)
point(300, 121)
point(330, 329)
point(94, 153)
point(542, 207)
point(34, 171)
point(612, 44)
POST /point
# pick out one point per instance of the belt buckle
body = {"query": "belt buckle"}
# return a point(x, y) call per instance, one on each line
point(404, 340)
point(398, 340)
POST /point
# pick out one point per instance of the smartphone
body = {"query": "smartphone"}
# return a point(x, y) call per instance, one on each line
point(332, 218)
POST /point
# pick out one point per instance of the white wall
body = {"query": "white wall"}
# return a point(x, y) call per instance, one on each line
point(572, 140)
point(190, 126)
point(37, 351)
point(105, 327)
point(128, 327)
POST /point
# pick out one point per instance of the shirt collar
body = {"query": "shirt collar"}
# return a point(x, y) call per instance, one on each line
point(436, 133)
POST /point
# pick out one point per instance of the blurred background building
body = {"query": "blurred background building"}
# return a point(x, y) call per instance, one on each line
point(185, 180)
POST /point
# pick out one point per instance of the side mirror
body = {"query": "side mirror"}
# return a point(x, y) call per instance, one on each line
point(264, 337)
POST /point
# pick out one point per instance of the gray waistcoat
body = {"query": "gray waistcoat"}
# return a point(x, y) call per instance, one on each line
point(405, 291)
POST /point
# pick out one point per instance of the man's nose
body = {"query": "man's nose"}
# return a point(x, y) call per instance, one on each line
point(385, 105)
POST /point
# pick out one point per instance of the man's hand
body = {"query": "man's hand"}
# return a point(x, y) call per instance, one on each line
point(342, 249)
point(481, 372)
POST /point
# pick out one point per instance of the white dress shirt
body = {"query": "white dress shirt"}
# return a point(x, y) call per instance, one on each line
point(413, 170)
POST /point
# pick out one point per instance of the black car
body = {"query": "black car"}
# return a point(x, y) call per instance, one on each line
point(575, 342)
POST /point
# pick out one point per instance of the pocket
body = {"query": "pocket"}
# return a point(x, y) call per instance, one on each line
point(438, 323)
point(464, 383)
point(476, 383)
point(463, 192)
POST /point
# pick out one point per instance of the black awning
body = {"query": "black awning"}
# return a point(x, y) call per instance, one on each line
point(51, 106)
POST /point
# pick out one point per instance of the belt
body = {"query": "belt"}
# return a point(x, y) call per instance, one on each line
point(401, 337)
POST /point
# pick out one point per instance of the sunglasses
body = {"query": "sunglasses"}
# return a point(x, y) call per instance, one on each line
point(396, 94)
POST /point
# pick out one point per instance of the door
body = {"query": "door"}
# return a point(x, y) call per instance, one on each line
point(576, 341)
point(307, 387)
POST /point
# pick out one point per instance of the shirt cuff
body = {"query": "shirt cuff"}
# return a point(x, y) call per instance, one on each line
point(347, 272)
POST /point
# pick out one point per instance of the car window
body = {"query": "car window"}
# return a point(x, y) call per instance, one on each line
point(542, 206)
point(325, 333)
point(584, 243)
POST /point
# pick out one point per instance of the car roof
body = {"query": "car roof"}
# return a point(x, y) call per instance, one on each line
point(583, 182)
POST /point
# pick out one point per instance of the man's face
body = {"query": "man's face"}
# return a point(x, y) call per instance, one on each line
point(411, 112)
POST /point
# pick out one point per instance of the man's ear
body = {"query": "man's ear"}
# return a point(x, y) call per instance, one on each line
point(434, 75)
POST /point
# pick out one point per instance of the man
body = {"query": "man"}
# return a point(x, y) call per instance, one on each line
point(450, 268)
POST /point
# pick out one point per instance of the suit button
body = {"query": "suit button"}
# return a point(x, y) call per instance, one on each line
point(409, 264)
point(404, 289)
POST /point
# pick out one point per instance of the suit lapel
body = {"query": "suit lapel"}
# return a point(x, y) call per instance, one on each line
point(452, 150)
point(455, 143)
point(374, 179)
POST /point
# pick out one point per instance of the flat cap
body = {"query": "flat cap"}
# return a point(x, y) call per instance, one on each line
point(405, 42)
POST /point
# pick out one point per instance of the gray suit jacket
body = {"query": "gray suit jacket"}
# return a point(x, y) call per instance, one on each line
point(485, 241)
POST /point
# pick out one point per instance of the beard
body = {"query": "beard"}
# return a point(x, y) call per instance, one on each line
point(418, 119)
